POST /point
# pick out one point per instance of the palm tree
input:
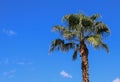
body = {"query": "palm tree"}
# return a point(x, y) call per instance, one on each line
point(78, 32)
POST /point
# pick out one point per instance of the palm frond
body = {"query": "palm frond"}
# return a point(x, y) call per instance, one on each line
point(96, 41)
point(87, 25)
point(75, 55)
point(72, 20)
point(87, 22)
point(75, 52)
point(68, 46)
point(93, 39)
point(101, 28)
point(59, 44)
point(94, 17)
point(59, 28)
point(67, 34)
point(104, 46)
point(66, 18)
point(56, 44)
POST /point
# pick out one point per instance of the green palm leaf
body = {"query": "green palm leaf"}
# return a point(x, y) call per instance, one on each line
point(57, 44)
point(95, 16)
point(76, 52)
point(101, 28)
point(96, 41)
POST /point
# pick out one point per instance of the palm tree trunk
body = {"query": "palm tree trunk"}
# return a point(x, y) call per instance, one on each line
point(84, 64)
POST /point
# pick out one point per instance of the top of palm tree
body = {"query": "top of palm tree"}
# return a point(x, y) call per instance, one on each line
point(80, 27)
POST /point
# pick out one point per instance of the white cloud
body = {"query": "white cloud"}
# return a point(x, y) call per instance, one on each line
point(116, 80)
point(9, 32)
point(65, 74)
point(9, 74)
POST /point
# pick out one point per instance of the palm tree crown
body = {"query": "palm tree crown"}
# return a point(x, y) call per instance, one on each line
point(80, 28)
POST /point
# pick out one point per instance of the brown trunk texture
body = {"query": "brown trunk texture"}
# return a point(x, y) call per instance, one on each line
point(84, 64)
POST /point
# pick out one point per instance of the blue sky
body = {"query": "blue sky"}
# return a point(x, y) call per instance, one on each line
point(25, 37)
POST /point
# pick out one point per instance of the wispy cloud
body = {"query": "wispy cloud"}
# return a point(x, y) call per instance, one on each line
point(9, 61)
point(116, 80)
point(24, 63)
point(9, 32)
point(9, 74)
point(65, 74)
